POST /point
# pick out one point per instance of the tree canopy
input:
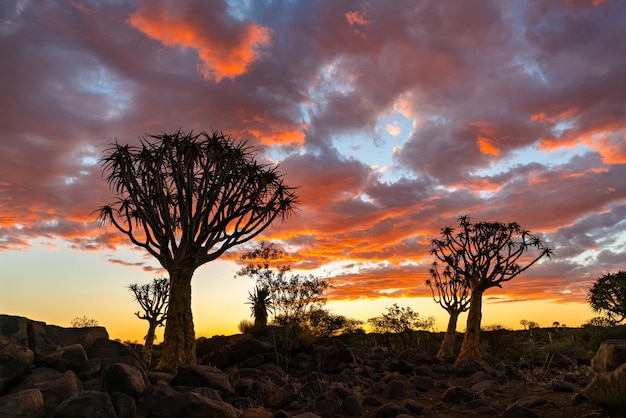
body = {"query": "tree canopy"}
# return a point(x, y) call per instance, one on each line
point(608, 296)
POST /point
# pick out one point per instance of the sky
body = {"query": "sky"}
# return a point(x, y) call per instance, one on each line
point(392, 119)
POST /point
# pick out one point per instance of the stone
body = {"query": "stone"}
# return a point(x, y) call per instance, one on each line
point(71, 357)
point(470, 365)
point(124, 378)
point(413, 406)
point(124, 405)
point(516, 411)
point(24, 404)
point(559, 361)
point(487, 387)
point(256, 413)
point(559, 385)
point(90, 370)
point(390, 410)
point(326, 407)
point(351, 406)
point(458, 394)
point(88, 403)
point(54, 386)
point(190, 405)
point(278, 398)
point(331, 356)
point(530, 401)
point(15, 361)
point(422, 383)
point(399, 389)
point(13, 330)
point(198, 375)
point(104, 348)
point(608, 389)
point(610, 355)
point(45, 339)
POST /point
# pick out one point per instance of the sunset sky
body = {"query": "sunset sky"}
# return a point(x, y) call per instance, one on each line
point(392, 118)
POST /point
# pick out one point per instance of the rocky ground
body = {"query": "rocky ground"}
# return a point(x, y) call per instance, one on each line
point(48, 371)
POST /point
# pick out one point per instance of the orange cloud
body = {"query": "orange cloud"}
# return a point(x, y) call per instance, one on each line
point(226, 49)
point(486, 147)
point(543, 117)
point(356, 18)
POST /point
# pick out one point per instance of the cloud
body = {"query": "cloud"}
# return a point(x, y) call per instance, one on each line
point(504, 111)
point(226, 46)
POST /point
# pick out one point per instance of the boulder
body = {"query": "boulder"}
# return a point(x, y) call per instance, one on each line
point(124, 378)
point(198, 375)
point(331, 356)
point(399, 389)
point(88, 403)
point(610, 355)
point(458, 394)
point(124, 405)
point(15, 361)
point(559, 361)
point(103, 348)
point(45, 339)
point(60, 389)
point(516, 411)
point(190, 405)
point(71, 357)
point(24, 404)
point(608, 389)
point(391, 410)
point(13, 330)
point(351, 406)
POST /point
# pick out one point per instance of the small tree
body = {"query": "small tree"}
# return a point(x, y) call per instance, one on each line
point(400, 321)
point(608, 296)
point(261, 304)
point(485, 254)
point(325, 324)
point(153, 298)
point(451, 292)
point(84, 322)
point(186, 199)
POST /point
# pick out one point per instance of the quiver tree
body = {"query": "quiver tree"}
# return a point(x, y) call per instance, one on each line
point(153, 298)
point(608, 296)
point(187, 198)
point(261, 303)
point(485, 254)
point(451, 292)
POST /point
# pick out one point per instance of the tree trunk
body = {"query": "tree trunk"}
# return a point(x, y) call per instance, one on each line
point(179, 342)
point(447, 346)
point(147, 346)
point(471, 339)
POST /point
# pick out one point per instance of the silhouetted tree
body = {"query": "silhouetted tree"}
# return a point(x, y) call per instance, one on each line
point(451, 292)
point(153, 298)
point(401, 321)
point(84, 322)
point(486, 254)
point(187, 198)
point(325, 324)
point(608, 296)
point(261, 304)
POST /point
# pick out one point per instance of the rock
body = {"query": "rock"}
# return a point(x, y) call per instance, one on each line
point(351, 406)
point(90, 370)
point(391, 410)
point(331, 356)
point(313, 388)
point(247, 346)
point(278, 398)
point(256, 413)
point(15, 361)
point(71, 357)
point(516, 411)
point(13, 330)
point(57, 389)
point(155, 376)
point(198, 375)
point(413, 406)
point(458, 394)
point(24, 404)
point(86, 404)
point(487, 387)
point(559, 361)
point(608, 389)
point(104, 348)
point(124, 405)
point(326, 407)
point(422, 383)
point(124, 378)
point(398, 389)
point(45, 339)
point(559, 385)
point(610, 355)
point(190, 405)
point(530, 401)
point(471, 365)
